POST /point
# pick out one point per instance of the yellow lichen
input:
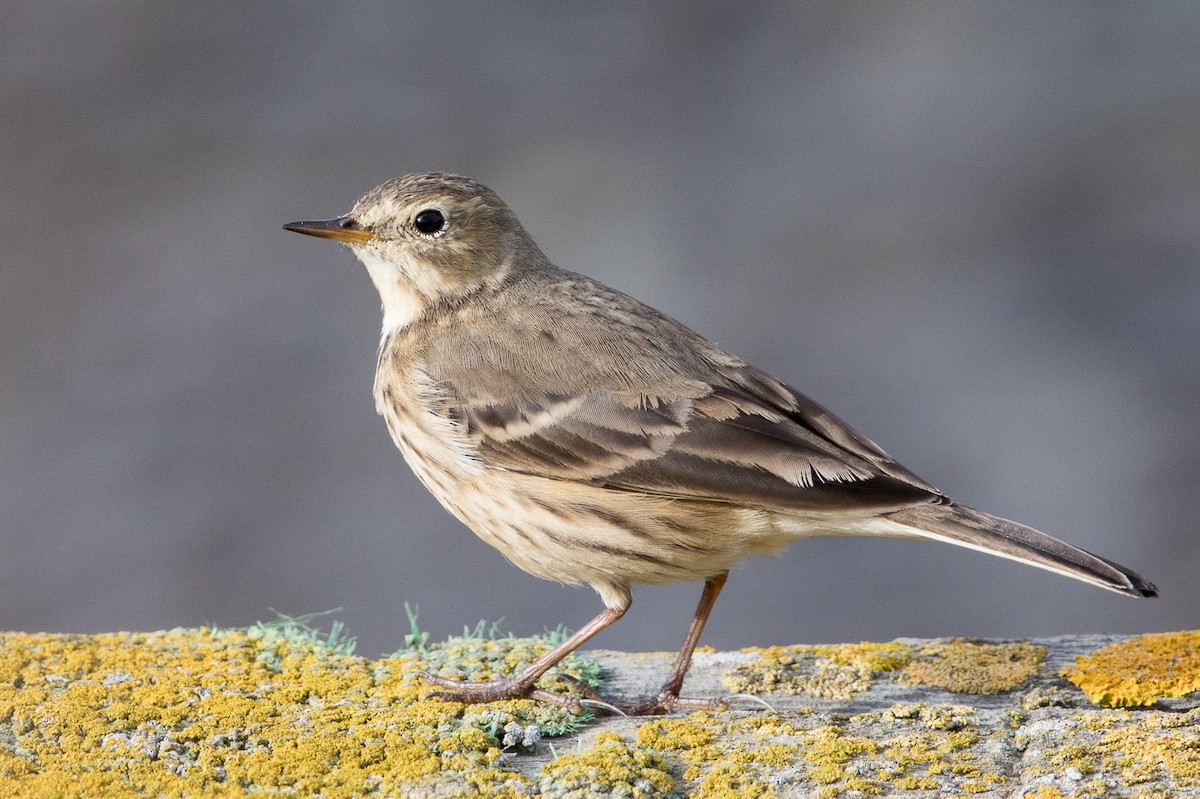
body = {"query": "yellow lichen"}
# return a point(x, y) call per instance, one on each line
point(1143, 755)
point(718, 762)
point(826, 672)
point(868, 655)
point(829, 750)
point(936, 748)
point(727, 780)
point(1045, 792)
point(609, 767)
point(228, 713)
point(968, 667)
point(669, 734)
point(1141, 670)
point(1132, 750)
point(213, 713)
point(934, 717)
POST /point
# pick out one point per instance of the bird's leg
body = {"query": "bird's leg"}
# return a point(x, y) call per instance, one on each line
point(668, 697)
point(522, 684)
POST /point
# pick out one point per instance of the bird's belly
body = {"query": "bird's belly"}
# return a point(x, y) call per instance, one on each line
point(575, 532)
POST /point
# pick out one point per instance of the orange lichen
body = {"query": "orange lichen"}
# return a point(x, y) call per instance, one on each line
point(1140, 670)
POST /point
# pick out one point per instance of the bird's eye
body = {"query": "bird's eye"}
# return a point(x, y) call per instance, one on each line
point(430, 221)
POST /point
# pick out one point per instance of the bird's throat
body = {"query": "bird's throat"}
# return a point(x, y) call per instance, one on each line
point(401, 302)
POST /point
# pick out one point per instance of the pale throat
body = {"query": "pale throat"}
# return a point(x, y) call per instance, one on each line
point(402, 303)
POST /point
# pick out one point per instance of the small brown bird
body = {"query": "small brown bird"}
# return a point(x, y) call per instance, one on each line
point(592, 439)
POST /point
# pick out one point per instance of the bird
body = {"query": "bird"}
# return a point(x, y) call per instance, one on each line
point(593, 439)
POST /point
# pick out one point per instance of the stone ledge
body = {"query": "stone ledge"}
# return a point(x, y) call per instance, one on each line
point(282, 708)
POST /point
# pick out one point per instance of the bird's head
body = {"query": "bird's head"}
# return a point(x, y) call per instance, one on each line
point(429, 239)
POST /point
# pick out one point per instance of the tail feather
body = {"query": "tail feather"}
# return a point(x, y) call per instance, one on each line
point(958, 524)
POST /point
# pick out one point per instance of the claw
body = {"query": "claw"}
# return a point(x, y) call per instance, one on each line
point(600, 704)
point(751, 698)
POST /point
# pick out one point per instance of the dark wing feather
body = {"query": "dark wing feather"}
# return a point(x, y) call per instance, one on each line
point(803, 411)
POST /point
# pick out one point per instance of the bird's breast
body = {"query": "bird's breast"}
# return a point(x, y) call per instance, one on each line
point(435, 446)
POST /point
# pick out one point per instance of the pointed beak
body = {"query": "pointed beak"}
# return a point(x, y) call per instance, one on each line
point(344, 229)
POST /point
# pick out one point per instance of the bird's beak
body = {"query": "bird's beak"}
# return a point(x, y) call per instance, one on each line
point(344, 229)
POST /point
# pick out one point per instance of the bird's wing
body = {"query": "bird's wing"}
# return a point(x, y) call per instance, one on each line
point(608, 391)
point(724, 432)
point(749, 440)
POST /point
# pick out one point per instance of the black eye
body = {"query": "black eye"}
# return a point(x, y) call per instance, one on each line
point(430, 221)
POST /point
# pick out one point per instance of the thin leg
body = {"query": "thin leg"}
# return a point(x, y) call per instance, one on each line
point(522, 684)
point(668, 697)
point(712, 589)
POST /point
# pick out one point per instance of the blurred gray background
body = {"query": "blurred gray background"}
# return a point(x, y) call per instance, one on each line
point(971, 230)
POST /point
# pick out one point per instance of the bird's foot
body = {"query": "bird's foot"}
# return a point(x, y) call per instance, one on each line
point(667, 700)
point(661, 704)
point(478, 692)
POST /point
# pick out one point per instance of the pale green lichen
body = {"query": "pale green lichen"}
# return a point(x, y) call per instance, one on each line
point(484, 653)
point(1140, 670)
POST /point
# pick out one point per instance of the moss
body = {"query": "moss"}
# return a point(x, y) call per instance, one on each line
point(968, 667)
point(610, 767)
point(826, 672)
point(226, 713)
point(1141, 670)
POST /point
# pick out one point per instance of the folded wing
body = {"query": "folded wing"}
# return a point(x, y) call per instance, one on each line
point(747, 439)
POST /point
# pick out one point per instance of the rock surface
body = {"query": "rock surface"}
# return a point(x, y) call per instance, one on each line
point(282, 708)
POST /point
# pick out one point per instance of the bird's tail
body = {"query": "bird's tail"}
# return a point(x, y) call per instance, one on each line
point(958, 524)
